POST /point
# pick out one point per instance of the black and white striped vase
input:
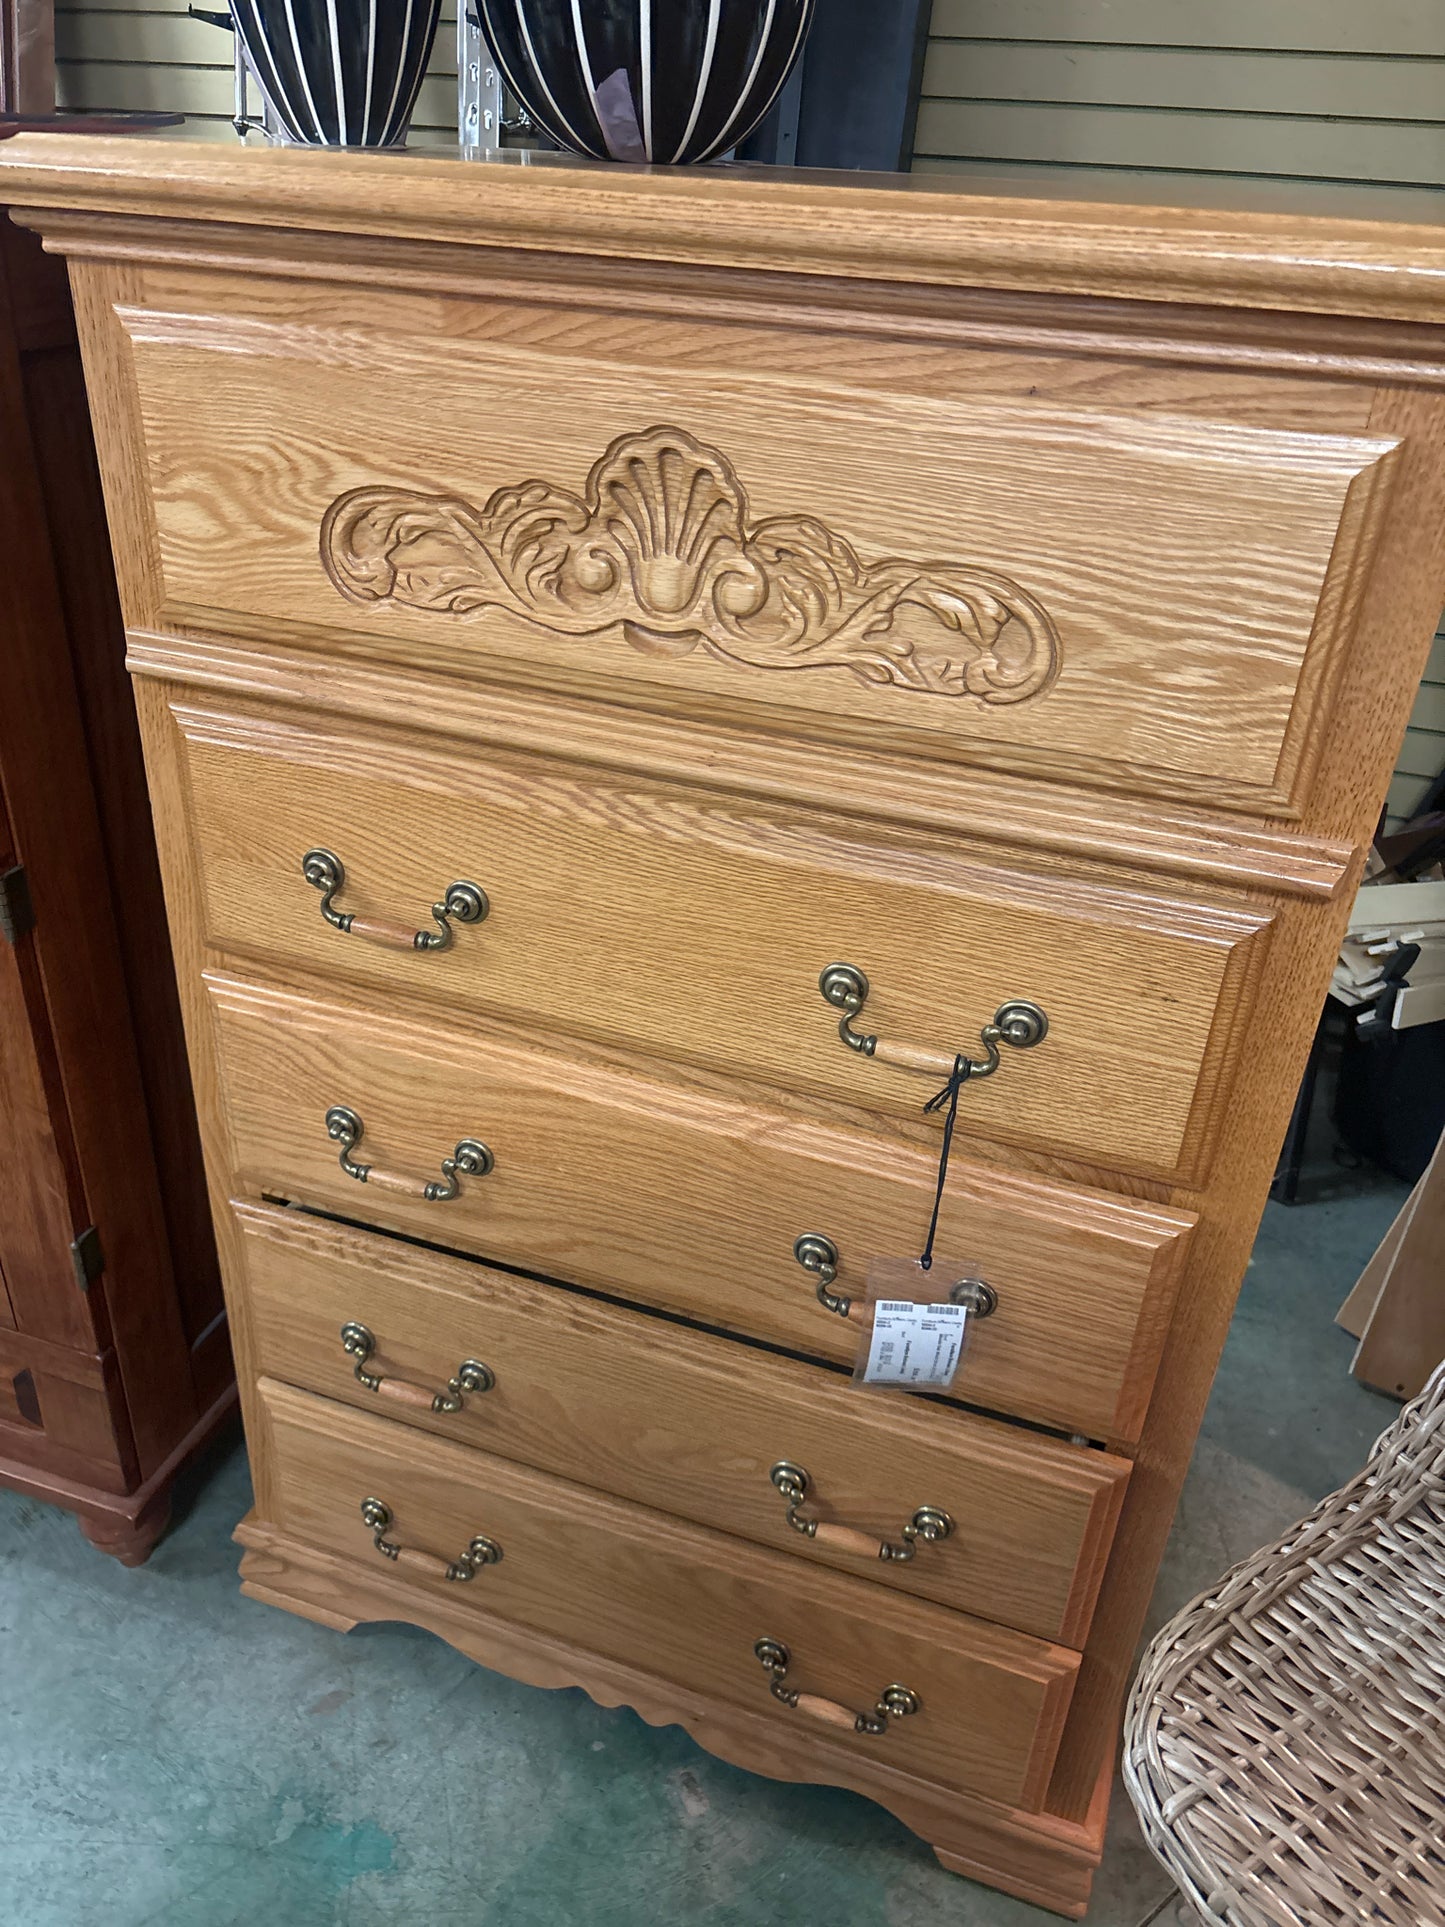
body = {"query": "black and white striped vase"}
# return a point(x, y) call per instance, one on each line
point(339, 73)
point(647, 80)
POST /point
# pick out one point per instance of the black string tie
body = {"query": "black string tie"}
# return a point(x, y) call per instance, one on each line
point(962, 1070)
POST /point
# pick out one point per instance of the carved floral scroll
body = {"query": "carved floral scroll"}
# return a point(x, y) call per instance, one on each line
point(661, 545)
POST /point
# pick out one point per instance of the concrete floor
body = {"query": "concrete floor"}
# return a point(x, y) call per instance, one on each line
point(176, 1756)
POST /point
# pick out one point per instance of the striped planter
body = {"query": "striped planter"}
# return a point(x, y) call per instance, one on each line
point(647, 80)
point(339, 73)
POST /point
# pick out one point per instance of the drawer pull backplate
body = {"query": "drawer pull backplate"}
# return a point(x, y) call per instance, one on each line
point(377, 1517)
point(1018, 1024)
point(471, 1159)
point(894, 1702)
point(463, 903)
point(819, 1255)
point(472, 1376)
point(929, 1523)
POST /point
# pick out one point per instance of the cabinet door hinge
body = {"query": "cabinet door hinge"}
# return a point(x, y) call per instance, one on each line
point(17, 913)
point(87, 1257)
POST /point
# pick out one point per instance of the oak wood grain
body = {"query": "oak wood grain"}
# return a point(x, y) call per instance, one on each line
point(1041, 1859)
point(1185, 566)
point(1188, 338)
point(715, 924)
point(687, 1604)
point(366, 280)
point(691, 1424)
point(693, 1204)
point(897, 340)
point(1058, 828)
point(1354, 759)
point(924, 229)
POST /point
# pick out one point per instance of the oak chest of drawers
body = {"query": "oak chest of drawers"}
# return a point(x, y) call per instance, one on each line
point(642, 677)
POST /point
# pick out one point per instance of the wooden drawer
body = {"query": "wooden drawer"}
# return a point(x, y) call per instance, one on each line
point(688, 1423)
point(687, 1201)
point(696, 928)
point(1150, 597)
point(683, 1603)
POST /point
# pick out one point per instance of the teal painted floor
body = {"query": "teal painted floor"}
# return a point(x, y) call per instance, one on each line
point(172, 1755)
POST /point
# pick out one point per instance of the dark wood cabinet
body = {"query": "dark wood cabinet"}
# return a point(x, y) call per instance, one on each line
point(114, 1362)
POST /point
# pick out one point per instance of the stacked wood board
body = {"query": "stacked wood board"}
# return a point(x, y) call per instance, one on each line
point(1393, 957)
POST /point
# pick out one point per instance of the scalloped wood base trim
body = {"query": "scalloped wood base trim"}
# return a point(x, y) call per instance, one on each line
point(1036, 1857)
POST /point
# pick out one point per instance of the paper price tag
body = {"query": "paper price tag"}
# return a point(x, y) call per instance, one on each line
point(914, 1345)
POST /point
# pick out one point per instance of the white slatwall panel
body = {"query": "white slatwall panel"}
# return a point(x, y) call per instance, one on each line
point(155, 57)
point(1182, 99)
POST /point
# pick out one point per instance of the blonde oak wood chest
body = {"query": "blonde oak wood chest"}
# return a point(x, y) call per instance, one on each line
point(640, 675)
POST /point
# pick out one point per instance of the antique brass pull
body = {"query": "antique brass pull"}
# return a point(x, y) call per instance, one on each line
point(463, 903)
point(894, 1702)
point(1018, 1024)
point(819, 1255)
point(472, 1376)
point(471, 1159)
point(377, 1516)
point(928, 1523)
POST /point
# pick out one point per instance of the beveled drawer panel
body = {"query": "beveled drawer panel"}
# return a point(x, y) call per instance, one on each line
point(696, 928)
point(685, 1200)
point(684, 1604)
point(1149, 598)
point(686, 1422)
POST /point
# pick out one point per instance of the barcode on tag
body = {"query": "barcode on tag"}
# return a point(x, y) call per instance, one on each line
point(917, 1345)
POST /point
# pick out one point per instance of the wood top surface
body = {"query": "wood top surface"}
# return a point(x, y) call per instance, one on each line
point(924, 228)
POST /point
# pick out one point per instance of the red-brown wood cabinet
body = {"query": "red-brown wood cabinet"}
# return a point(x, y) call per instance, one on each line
point(114, 1362)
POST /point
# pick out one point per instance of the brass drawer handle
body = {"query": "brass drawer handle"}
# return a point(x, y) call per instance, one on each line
point(472, 1376)
point(929, 1523)
point(894, 1702)
point(377, 1516)
point(471, 1159)
point(463, 903)
point(1018, 1024)
point(819, 1255)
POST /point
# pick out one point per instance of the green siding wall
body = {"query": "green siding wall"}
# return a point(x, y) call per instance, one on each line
point(1330, 90)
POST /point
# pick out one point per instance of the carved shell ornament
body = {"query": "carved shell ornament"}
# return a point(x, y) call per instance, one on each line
point(661, 545)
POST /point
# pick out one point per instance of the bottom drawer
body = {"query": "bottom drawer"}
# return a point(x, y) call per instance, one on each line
point(685, 1604)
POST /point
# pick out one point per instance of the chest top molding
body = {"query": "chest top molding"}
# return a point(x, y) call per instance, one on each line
point(663, 544)
point(920, 229)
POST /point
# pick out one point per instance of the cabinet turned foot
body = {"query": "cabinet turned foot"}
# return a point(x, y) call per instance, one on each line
point(131, 1541)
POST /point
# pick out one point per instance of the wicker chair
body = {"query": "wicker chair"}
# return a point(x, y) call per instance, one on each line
point(1285, 1742)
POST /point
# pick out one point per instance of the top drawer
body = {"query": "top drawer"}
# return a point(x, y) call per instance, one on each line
point(1143, 600)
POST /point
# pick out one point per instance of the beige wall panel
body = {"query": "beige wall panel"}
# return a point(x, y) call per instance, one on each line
point(1343, 26)
point(1208, 79)
point(1410, 153)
